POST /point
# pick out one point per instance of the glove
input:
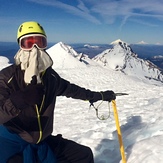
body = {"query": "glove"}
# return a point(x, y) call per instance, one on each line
point(108, 96)
point(31, 95)
point(105, 96)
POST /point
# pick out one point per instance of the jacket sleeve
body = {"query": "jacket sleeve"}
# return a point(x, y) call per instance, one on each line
point(78, 92)
point(7, 109)
point(65, 88)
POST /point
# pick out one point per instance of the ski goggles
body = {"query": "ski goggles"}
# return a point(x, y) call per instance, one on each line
point(29, 41)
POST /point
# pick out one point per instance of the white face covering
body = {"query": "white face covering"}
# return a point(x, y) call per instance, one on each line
point(33, 62)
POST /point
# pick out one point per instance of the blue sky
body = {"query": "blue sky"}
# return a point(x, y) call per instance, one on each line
point(86, 21)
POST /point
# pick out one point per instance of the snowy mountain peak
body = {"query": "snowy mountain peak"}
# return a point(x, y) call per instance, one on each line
point(117, 42)
point(65, 48)
point(122, 58)
point(91, 46)
point(64, 56)
point(142, 43)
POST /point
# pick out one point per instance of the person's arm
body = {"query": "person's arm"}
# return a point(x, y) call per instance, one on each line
point(78, 92)
point(65, 88)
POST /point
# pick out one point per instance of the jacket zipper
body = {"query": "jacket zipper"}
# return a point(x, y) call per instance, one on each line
point(38, 111)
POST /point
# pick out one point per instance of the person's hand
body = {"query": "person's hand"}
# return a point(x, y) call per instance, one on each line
point(105, 96)
point(108, 96)
point(31, 95)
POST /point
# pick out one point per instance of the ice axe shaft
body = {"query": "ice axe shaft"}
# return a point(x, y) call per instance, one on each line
point(119, 132)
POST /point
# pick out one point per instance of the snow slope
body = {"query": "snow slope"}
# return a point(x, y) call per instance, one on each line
point(4, 62)
point(140, 113)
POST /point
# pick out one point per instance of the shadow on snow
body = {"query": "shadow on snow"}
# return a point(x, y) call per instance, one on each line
point(111, 146)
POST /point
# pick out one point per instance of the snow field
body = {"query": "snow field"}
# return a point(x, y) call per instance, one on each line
point(139, 115)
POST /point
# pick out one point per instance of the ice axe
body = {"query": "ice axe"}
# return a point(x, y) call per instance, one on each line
point(121, 146)
point(121, 94)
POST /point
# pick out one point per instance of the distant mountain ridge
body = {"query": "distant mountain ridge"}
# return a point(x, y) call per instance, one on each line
point(145, 51)
point(119, 58)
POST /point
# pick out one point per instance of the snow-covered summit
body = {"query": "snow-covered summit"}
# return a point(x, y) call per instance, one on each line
point(117, 42)
point(64, 56)
point(91, 46)
point(121, 57)
point(142, 43)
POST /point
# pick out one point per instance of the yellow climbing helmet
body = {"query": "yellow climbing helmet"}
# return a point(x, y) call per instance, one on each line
point(30, 27)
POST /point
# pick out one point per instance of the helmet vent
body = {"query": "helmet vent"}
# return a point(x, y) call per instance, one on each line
point(20, 29)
